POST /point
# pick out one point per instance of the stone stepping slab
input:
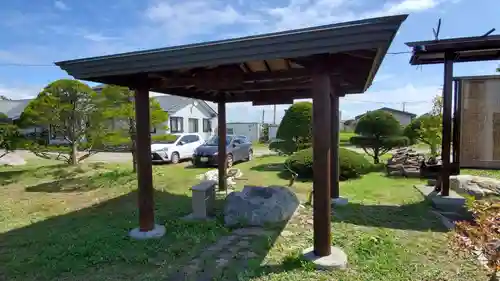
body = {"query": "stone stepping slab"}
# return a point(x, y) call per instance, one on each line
point(231, 249)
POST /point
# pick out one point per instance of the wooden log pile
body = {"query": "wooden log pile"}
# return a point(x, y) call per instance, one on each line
point(405, 162)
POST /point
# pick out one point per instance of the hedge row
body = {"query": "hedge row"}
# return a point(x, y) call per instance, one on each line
point(352, 164)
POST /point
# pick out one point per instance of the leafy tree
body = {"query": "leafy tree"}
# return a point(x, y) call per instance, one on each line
point(428, 127)
point(65, 106)
point(9, 135)
point(379, 132)
point(116, 115)
point(295, 130)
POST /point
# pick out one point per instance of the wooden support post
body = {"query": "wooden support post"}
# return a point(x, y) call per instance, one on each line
point(321, 163)
point(446, 134)
point(457, 125)
point(143, 151)
point(334, 140)
point(221, 158)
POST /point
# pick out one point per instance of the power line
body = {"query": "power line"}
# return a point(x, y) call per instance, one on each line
point(388, 102)
point(27, 64)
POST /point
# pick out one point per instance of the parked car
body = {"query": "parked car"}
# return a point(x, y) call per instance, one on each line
point(238, 148)
point(182, 147)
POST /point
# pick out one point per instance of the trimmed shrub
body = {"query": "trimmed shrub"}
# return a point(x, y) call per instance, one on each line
point(378, 133)
point(352, 164)
point(167, 138)
point(295, 130)
point(287, 147)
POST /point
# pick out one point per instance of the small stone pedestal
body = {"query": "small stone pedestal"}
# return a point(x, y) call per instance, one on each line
point(341, 201)
point(336, 260)
point(157, 232)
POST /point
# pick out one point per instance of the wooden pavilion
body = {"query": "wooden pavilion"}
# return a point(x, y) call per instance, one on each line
point(447, 52)
point(322, 63)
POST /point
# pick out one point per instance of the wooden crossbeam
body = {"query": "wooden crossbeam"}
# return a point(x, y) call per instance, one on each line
point(265, 96)
point(272, 102)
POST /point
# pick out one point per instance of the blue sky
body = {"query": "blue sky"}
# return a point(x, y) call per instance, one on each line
point(37, 33)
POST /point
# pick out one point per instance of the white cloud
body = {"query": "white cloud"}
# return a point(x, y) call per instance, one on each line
point(304, 13)
point(17, 93)
point(10, 57)
point(410, 6)
point(193, 17)
point(173, 22)
point(415, 99)
point(60, 5)
point(97, 37)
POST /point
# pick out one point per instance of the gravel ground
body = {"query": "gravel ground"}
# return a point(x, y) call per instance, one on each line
point(113, 157)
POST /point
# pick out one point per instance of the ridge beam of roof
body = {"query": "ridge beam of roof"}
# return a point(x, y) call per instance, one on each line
point(273, 102)
point(262, 96)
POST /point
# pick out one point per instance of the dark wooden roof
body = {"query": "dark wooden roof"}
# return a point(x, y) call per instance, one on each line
point(271, 67)
point(479, 77)
point(465, 49)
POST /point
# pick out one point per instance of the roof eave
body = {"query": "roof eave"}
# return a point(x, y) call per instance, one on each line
point(296, 45)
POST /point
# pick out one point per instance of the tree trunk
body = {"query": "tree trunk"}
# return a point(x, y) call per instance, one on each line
point(134, 156)
point(376, 155)
point(132, 133)
point(74, 153)
point(433, 150)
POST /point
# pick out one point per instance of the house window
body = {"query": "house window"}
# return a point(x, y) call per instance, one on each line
point(193, 125)
point(52, 130)
point(176, 124)
point(207, 126)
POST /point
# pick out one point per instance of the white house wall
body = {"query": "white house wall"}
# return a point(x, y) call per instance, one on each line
point(250, 130)
point(191, 111)
point(404, 119)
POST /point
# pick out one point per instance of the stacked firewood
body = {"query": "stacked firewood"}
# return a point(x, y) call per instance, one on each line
point(405, 162)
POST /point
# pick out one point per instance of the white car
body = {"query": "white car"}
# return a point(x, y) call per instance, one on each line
point(182, 147)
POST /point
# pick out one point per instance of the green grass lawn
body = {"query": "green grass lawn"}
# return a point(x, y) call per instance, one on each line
point(258, 144)
point(60, 223)
point(344, 137)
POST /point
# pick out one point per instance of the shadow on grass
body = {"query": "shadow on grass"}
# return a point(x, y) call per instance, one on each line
point(59, 171)
point(244, 266)
point(415, 216)
point(70, 183)
point(279, 168)
point(268, 155)
point(93, 243)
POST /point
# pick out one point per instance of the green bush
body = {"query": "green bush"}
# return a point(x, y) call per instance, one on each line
point(287, 147)
point(352, 164)
point(295, 130)
point(167, 138)
point(378, 132)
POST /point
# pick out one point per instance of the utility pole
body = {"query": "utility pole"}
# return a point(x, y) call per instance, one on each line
point(274, 115)
point(404, 106)
point(263, 112)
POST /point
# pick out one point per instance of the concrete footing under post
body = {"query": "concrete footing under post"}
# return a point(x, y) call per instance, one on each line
point(336, 260)
point(452, 203)
point(157, 232)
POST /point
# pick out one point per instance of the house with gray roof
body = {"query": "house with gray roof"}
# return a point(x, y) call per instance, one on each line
point(403, 117)
point(185, 115)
